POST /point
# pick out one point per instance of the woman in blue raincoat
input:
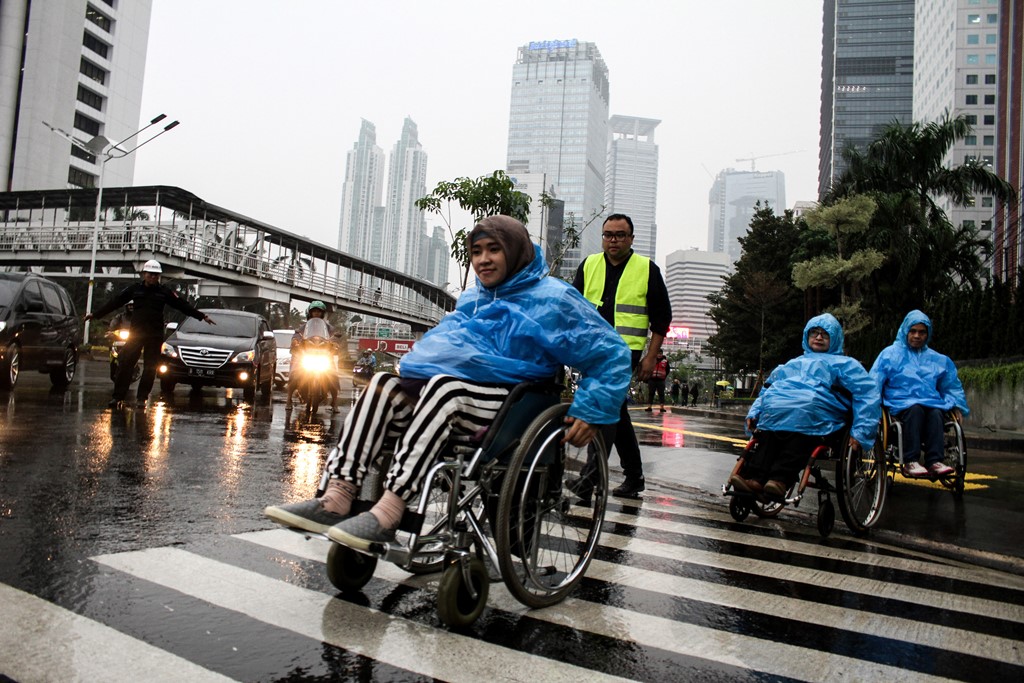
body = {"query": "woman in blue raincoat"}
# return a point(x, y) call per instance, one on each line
point(918, 385)
point(807, 402)
point(516, 325)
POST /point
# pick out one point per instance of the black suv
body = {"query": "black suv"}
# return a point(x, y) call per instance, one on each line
point(239, 351)
point(39, 329)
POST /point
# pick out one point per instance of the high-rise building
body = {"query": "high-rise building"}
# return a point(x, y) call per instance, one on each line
point(1007, 239)
point(867, 73)
point(436, 257)
point(558, 125)
point(733, 200)
point(78, 65)
point(404, 224)
point(690, 276)
point(955, 72)
point(361, 231)
point(631, 179)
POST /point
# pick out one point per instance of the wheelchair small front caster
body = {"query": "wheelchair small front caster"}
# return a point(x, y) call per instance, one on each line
point(738, 509)
point(348, 570)
point(462, 593)
point(826, 517)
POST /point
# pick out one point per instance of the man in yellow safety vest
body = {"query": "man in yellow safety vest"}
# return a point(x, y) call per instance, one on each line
point(630, 294)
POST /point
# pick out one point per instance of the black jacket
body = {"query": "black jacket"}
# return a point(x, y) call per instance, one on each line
point(148, 316)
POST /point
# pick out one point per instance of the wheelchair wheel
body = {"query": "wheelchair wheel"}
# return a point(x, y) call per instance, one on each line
point(826, 517)
point(544, 541)
point(956, 457)
point(348, 570)
point(768, 508)
point(738, 509)
point(861, 483)
point(459, 603)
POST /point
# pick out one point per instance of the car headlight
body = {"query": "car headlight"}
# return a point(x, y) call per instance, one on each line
point(244, 357)
point(168, 350)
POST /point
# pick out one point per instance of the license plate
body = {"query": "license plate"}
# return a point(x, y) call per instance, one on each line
point(200, 372)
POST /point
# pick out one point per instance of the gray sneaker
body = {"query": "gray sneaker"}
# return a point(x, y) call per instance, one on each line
point(360, 532)
point(308, 515)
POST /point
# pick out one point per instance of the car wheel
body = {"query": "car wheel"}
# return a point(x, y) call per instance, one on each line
point(61, 377)
point(10, 367)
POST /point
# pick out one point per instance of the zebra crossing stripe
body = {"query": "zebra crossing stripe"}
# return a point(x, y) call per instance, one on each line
point(40, 641)
point(399, 642)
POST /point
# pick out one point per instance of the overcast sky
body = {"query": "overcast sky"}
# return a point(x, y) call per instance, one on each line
point(270, 94)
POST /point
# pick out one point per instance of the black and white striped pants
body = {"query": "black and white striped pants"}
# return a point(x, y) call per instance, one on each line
point(445, 406)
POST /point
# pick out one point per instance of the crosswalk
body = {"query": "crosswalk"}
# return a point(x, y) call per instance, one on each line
point(678, 591)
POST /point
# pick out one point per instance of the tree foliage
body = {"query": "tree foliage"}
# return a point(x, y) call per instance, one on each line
point(759, 314)
point(487, 195)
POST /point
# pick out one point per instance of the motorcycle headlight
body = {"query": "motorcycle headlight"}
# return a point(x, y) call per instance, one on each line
point(122, 335)
point(315, 362)
point(168, 350)
point(244, 357)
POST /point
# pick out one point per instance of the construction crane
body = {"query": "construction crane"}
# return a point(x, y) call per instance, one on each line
point(753, 159)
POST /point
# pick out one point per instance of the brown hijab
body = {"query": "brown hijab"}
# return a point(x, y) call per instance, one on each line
point(511, 235)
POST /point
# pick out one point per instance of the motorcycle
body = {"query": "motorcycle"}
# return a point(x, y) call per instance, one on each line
point(118, 338)
point(316, 368)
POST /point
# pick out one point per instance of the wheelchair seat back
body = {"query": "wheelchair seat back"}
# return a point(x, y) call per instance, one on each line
point(525, 402)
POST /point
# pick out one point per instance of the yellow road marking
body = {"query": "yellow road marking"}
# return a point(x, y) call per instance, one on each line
point(713, 437)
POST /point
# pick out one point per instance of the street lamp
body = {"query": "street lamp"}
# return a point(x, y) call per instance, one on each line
point(100, 147)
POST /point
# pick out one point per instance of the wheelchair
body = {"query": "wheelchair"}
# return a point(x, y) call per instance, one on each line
point(498, 498)
point(860, 487)
point(890, 435)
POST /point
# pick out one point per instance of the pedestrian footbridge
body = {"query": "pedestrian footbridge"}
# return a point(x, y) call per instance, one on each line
point(227, 254)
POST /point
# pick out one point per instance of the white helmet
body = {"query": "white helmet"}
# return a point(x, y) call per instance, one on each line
point(152, 266)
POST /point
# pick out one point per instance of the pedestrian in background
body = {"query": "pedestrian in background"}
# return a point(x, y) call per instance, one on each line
point(656, 384)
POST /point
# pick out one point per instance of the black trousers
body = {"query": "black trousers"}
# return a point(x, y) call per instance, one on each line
point(142, 344)
point(782, 456)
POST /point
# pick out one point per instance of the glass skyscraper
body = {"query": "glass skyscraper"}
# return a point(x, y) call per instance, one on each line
point(404, 224)
point(360, 232)
point(867, 76)
point(632, 178)
point(558, 125)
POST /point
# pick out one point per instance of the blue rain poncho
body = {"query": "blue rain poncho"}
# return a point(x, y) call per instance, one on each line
point(906, 377)
point(528, 328)
point(804, 396)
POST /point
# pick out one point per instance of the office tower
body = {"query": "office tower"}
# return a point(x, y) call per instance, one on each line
point(404, 224)
point(78, 65)
point(733, 199)
point(631, 179)
point(1008, 252)
point(558, 125)
point(867, 75)
point(690, 276)
point(956, 45)
point(436, 259)
point(362, 220)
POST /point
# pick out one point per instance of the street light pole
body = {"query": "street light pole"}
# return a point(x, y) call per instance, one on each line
point(104, 151)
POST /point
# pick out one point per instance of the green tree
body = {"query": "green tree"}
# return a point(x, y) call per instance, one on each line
point(846, 268)
point(758, 312)
point(485, 196)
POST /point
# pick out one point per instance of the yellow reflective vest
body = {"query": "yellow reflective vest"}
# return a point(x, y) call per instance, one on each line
point(631, 320)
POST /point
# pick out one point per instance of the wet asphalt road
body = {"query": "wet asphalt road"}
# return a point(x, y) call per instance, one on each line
point(78, 481)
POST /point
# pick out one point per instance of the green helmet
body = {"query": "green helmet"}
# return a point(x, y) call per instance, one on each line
point(316, 305)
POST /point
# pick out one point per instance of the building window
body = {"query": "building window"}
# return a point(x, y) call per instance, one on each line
point(80, 178)
point(80, 153)
point(969, 223)
point(973, 18)
point(972, 79)
point(988, 160)
point(972, 119)
point(971, 140)
point(973, 39)
point(992, 18)
point(96, 17)
point(988, 140)
point(90, 70)
point(970, 159)
point(84, 123)
point(95, 44)
point(986, 225)
point(990, 59)
point(986, 202)
point(990, 99)
point(86, 96)
point(972, 99)
point(991, 39)
point(973, 59)
point(990, 119)
point(990, 79)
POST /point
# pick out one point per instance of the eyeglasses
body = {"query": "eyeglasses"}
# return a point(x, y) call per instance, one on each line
point(615, 236)
point(817, 333)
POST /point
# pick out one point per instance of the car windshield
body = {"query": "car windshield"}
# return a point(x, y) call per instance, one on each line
point(227, 326)
point(8, 288)
point(283, 339)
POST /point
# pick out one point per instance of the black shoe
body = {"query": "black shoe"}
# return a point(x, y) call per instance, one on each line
point(580, 487)
point(630, 488)
point(116, 403)
point(648, 409)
